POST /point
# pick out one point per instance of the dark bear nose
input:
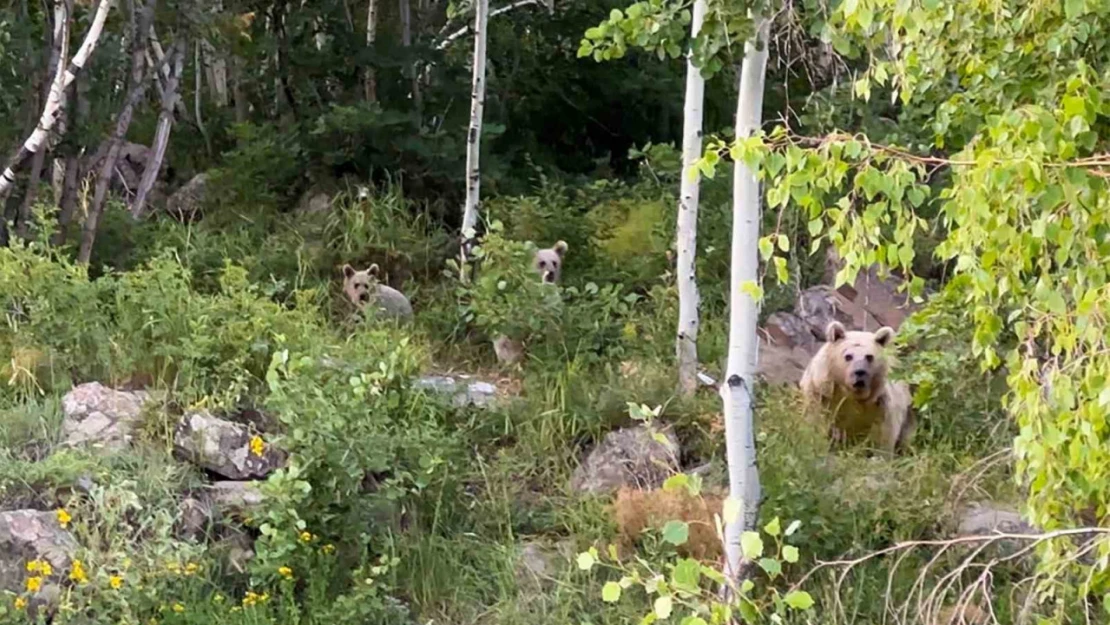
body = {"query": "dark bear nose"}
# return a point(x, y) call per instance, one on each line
point(548, 277)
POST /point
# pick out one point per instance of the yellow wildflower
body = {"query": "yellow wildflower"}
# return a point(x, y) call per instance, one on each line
point(191, 568)
point(328, 549)
point(63, 517)
point(177, 607)
point(257, 445)
point(250, 598)
point(40, 566)
point(306, 537)
point(173, 567)
point(20, 603)
point(116, 582)
point(218, 598)
point(77, 572)
point(285, 572)
point(264, 597)
point(34, 583)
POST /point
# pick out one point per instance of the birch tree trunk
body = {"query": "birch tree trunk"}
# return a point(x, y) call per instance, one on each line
point(141, 34)
point(737, 392)
point(474, 134)
point(162, 134)
point(405, 9)
point(686, 340)
point(73, 173)
point(57, 40)
point(371, 35)
point(55, 100)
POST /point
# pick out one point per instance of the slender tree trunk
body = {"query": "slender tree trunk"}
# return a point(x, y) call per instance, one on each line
point(737, 392)
point(198, 69)
point(141, 34)
point(474, 134)
point(371, 34)
point(411, 72)
point(162, 134)
point(55, 101)
point(242, 106)
point(73, 171)
point(686, 341)
point(55, 42)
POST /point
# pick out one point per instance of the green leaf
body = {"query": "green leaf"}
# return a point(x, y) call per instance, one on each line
point(676, 532)
point(586, 561)
point(773, 528)
point(771, 566)
point(663, 606)
point(752, 289)
point(784, 243)
point(798, 599)
point(751, 545)
point(781, 272)
point(611, 592)
point(687, 574)
point(766, 248)
point(793, 527)
point(864, 17)
point(790, 553)
point(814, 226)
point(694, 620)
point(1074, 8)
point(730, 511)
point(676, 482)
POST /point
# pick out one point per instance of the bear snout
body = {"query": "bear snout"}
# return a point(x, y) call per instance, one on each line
point(364, 296)
point(549, 277)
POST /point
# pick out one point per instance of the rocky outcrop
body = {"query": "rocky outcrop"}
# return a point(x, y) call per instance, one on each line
point(224, 448)
point(187, 203)
point(459, 390)
point(100, 417)
point(27, 535)
point(628, 457)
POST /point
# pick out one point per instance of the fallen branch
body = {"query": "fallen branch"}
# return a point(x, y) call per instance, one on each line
point(929, 601)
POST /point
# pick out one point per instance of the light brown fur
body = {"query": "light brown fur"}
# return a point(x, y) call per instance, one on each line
point(366, 293)
point(636, 510)
point(845, 386)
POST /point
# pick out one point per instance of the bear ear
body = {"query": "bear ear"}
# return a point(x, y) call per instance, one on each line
point(560, 248)
point(348, 271)
point(373, 270)
point(884, 336)
point(835, 332)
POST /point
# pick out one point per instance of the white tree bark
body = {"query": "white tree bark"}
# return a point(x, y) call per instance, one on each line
point(474, 134)
point(736, 392)
point(465, 30)
point(54, 102)
point(371, 34)
point(686, 340)
point(170, 98)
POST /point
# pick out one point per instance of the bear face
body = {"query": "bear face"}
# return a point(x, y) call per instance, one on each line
point(857, 358)
point(359, 286)
point(549, 262)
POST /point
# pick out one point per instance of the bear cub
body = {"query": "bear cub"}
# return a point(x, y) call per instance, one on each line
point(845, 386)
point(366, 292)
point(548, 262)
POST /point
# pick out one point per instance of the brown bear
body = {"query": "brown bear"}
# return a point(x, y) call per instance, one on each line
point(364, 291)
point(845, 385)
point(548, 262)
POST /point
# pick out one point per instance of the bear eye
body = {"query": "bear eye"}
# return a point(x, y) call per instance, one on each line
point(847, 357)
point(870, 358)
point(543, 264)
point(554, 264)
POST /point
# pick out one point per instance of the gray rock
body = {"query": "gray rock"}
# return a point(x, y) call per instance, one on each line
point(785, 329)
point(193, 519)
point(27, 535)
point(314, 202)
point(100, 417)
point(187, 202)
point(508, 351)
point(819, 305)
point(460, 390)
point(223, 447)
point(538, 563)
point(628, 457)
point(235, 499)
point(981, 519)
